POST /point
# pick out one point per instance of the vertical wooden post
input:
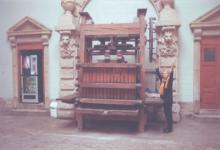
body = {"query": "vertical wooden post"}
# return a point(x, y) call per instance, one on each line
point(83, 59)
point(141, 15)
point(84, 17)
point(142, 120)
point(142, 115)
point(82, 55)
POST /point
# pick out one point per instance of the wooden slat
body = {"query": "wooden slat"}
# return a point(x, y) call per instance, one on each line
point(110, 85)
point(105, 112)
point(111, 29)
point(110, 101)
point(109, 65)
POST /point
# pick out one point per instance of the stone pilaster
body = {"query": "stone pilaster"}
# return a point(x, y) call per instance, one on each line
point(168, 47)
point(68, 62)
point(196, 67)
point(168, 51)
point(45, 40)
point(68, 27)
point(13, 44)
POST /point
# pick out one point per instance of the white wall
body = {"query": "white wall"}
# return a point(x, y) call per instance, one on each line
point(188, 11)
point(46, 12)
point(103, 11)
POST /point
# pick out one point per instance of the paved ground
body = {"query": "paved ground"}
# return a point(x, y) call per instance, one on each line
point(39, 132)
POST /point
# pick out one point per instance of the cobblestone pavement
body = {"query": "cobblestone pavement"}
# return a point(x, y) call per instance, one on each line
point(39, 132)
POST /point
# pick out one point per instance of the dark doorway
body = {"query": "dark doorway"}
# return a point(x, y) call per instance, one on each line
point(31, 76)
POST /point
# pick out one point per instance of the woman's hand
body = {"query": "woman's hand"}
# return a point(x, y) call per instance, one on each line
point(173, 66)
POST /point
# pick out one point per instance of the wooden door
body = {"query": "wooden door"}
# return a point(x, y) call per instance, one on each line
point(210, 74)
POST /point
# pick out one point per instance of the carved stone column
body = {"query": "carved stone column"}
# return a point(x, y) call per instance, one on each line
point(168, 49)
point(68, 28)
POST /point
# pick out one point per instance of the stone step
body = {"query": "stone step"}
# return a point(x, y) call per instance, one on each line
point(30, 106)
point(30, 109)
point(210, 111)
point(208, 115)
point(37, 112)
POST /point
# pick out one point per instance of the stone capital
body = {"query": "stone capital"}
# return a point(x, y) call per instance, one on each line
point(168, 15)
point(65, 32)
point(45, 39)
point(67, 20)
point(167, 2)
point(197, 34)
point(12, 40)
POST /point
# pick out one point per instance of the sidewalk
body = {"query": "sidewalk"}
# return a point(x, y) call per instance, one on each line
point(23, 131)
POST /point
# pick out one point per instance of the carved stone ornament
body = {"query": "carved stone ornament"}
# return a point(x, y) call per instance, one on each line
point(67, 46)
point(68, 5)
point(157, 5)
point(167, 42)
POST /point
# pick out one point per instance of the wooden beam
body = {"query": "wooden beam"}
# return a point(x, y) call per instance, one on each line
point(110, 101)
point(109, 65)
point(110, 85)
point(105, 112)
point(130, 29)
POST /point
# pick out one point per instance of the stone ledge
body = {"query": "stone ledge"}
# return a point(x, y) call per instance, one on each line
point(31, 112)
point(206, 117)
point(62, 110)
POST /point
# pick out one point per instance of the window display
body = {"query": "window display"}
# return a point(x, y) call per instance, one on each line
point(30, 78)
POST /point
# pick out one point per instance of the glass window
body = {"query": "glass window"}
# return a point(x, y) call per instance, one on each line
point(209, 55)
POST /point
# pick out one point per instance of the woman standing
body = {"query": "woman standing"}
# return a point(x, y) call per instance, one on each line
point(166, 94)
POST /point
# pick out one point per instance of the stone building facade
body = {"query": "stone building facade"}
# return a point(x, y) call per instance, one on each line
point(179, 39)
